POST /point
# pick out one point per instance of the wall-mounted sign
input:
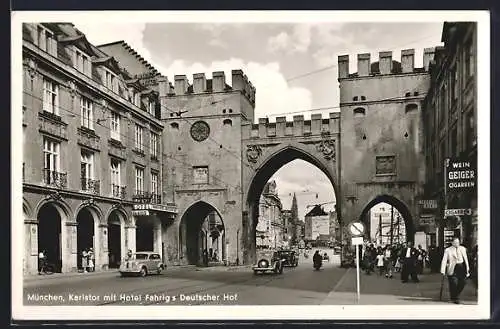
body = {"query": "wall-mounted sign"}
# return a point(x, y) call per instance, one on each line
point(200, 175)
point(428, 204)
point(461, 175)
point(457, 212)
point(385, 165)
point(427, 220)
point(140, 212)
point(156, 207)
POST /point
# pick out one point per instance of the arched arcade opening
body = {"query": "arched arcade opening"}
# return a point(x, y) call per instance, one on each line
point(116, 231)
point(202, 230)
point(49, 234)
point(85, 234)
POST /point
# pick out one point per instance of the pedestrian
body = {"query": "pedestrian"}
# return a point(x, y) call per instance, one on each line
point(474, 272)
point(205, 257)
point(422, 254)
point(408, 258)
point(129, 255)
point(388, 262)
point(85, 260)
point(455, 265)
point(215, 256)
point(42, 259)
point(380, 263)
point(91, 261)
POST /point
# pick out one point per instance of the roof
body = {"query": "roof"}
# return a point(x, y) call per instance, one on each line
point(316, 211)
point(134, 53)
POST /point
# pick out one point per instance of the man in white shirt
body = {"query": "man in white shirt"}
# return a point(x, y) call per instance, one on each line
point(456, 266)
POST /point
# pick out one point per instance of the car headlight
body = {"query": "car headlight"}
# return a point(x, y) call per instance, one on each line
point(263, 263)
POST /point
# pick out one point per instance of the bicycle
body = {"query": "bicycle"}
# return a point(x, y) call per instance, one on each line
point(47, 269)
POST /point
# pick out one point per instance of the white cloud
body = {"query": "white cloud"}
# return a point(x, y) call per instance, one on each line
point(278, 42)
point(302, 37)
point(273, 95)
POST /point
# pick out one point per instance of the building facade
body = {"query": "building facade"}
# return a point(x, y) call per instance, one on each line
point(92, 165)
point(450, 115)
point(270, 226)
point(317, 224)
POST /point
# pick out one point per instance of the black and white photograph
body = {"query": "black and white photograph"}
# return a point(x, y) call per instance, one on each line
point(250, 165)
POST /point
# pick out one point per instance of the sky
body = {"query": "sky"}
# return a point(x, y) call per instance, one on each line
point(292, 66)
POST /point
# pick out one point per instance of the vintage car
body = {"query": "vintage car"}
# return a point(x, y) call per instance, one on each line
point(290, 257)
point(142, 263)
point(268, 260)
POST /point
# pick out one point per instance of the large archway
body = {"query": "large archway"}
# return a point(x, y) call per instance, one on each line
point(201, 228)
point(268, 167)
point(85, 234)
point(401, 215)
point(145, 233)
point(49, 234)
point(116, 233)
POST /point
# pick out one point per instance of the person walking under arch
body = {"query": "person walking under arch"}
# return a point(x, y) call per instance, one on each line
point(409, 263)
point(455, 265)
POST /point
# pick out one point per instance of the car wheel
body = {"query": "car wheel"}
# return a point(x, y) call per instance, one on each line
point(143, 272)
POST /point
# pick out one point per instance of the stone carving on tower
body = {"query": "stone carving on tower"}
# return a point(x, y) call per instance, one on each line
point(253, 153)
point(327, 147)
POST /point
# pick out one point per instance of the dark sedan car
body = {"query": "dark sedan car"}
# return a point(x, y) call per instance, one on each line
point(290, 257)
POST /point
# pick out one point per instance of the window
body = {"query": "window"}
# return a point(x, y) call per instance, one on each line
point(470, 130)
point(139, 180)
point(154, 145)
point(51, 151)
point(138, 138)
point(87, 113)
point(411, 107)
point(50, 97)
point(81, 62)
point(151, 107)
point(115, 126)
point(453, 84)
point(468, 60)
point(359, 112)
point(47, 41)
point(110, 81)
point(115, 173)
point(454, 142)
point(442, 104)
point(154, 186)
point(87, 165)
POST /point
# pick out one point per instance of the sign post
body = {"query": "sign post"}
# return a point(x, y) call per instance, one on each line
point(357, 229)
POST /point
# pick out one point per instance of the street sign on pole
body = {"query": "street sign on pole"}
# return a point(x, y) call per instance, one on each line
point(357, 273)
point(356, 228)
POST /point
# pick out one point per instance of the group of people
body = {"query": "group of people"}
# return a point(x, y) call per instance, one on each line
point(88, 260)
point(452, 262)
point(209, 255)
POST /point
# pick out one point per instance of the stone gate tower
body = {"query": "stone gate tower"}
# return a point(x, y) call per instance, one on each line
point(382, 136)
point(202, 159)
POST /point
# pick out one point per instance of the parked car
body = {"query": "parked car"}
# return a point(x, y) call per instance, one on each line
point(290, 257)
point(142, 263)
point(268, 260)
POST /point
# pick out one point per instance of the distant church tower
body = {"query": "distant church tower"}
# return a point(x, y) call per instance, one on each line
point(295, 218)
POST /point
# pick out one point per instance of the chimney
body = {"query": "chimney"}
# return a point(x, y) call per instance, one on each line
point(218, 81)
point(343, 66)
point(181, 84)
point(199, 83)
point(428, 57)
point(385, 62)
point(407, 60)
point(163, 86)
point(363, 65)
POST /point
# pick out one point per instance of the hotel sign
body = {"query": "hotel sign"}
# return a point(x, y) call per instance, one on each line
point(460, 175)
point(155, 207)
point(140, 212)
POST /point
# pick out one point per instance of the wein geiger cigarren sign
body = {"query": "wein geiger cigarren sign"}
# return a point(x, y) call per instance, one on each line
point(460, 175)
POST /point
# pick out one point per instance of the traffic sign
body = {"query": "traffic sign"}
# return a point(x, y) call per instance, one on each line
point(357, 240)
point(457, 212)
point(356, 228)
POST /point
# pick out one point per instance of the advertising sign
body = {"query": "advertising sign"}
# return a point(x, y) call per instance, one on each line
point(457, 212)
point(460, 175)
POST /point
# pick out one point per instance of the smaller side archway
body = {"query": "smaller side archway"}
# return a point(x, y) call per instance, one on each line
point(88, 219)
point(116, 221)
point(399, 205)
point(201, 230)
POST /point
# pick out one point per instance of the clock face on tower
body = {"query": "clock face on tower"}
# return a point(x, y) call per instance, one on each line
point(200, 130)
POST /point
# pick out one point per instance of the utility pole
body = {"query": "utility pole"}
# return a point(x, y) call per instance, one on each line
point(392, 224)
point(398, 230)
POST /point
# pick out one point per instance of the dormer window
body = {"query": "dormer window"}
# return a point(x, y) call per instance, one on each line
point(46, 40)
point(110, 80)
point(82, 62)
point(151, 107)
